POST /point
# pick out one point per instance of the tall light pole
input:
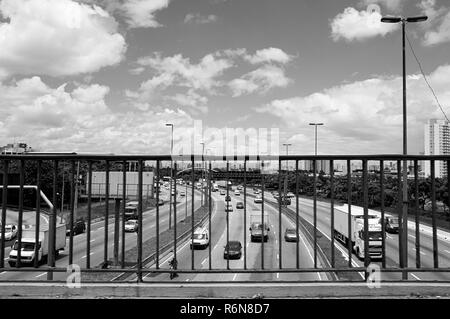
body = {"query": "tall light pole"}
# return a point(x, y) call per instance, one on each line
point(315, 138)
point(286, 176)
point(404, 226)
point(203, 167)
point(171, 176)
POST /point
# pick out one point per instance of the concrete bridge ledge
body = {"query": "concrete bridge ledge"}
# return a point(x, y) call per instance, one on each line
point(224, 290)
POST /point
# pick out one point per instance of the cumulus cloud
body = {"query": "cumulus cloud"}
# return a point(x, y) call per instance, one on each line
point(359, 25)
point(390, 5)
point(259, 80)
point(437, 28)
point(58, 119)
point(365, 116)
point(141, 13)
point(57, 38)
point(197, 18)
point(269, 55)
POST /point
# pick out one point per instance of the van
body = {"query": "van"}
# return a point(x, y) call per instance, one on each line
point(200, 238)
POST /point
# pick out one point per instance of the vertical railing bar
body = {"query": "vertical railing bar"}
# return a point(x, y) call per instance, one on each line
point(192, 214)
point(281, 200)
point(245, 214)
point(400, 214)
point(72, 212)
point(4, 204)
point(383, 222)
point(124, 199)
point(416, 211)
point(262, 220)
point(89, 212)
point(228, 217)
point(297, 232)
point(105, 242)
point(433, 214)
point(209, 214)
point(52, 225)
point(20, 222)
point(366, 216)
point(315, 212)
point(157, 213)
point(139, 237)
point(38, 213)
point(332, 213)
point(174, 201)
point(349, 203)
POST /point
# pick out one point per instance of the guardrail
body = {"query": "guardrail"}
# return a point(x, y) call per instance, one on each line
point(295, 180)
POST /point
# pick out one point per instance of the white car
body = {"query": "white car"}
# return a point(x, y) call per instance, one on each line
point(201, 238)
point(237, 193)
point(131, 225)
point(228, 208)
point(10, 232)
point(258, 199)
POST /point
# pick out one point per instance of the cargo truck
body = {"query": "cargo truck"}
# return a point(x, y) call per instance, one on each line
point(357, 230)
point(29, 242)
point(258, 231)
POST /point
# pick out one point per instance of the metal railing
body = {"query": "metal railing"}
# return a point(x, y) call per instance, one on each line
point(307, 186)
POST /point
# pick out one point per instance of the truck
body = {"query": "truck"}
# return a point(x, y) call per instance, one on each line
point(356, 236)
point(258, 231)
point(131, 212)
point(29, 242)
point(215, 187)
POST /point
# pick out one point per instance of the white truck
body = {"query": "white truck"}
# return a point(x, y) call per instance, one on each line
point(357, 230)
point(258, 231)
point(29, 243)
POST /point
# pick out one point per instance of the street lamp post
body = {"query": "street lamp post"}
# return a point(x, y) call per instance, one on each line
point(171, 176)
point(286, 176)
point(404, 227)
point(203, 167)
point(315, 138)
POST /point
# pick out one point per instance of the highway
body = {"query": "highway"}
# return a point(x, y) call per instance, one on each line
point(306, 210)
point(97, 239)
point(254, 249)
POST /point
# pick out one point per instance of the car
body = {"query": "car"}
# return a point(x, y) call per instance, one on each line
point(182, 193)
point(134, 203)
point(160, 202)
point(10, 232)
point(290, 234)
point(222, 192)
point(79, 226)
point(228, 208)
point(233, 249)
point(240, 205)
point(227, 198)
point(290, 195)
point(391, 224)
point(237, 193)
point(258, 199)
point(256, 191)
point(200, 238)
point(131, 225)
point(284, 200)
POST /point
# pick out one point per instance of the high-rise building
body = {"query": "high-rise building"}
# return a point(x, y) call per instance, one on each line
point(437, 142)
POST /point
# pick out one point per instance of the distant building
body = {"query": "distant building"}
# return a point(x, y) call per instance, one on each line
point(15, 148)
point(437, 142)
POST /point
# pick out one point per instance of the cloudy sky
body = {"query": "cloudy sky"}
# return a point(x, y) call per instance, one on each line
point(107, 75)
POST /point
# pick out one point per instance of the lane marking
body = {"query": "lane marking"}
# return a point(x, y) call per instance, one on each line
point(86, 255)
point(448, 252)
point(278, 256)
point(417, 278)
point(388, 236)
point(92, 240)
point(278, 275)
point(44, 273)
point(3, 272)
point(411, 236)
point(204, 261)
point(234, 277)
point(421, 252)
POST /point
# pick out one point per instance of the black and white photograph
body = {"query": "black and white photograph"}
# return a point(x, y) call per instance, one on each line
point(225, 154)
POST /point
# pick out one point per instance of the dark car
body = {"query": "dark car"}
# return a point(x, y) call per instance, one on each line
point(290, 234)
point(285, 201)
point(240, 205)
point(391, 224)
point(232, 250)
point(228, 198)
point(79, 227)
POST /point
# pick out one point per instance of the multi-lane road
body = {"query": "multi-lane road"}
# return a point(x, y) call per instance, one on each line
point(97, 239)
point(253, 250)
